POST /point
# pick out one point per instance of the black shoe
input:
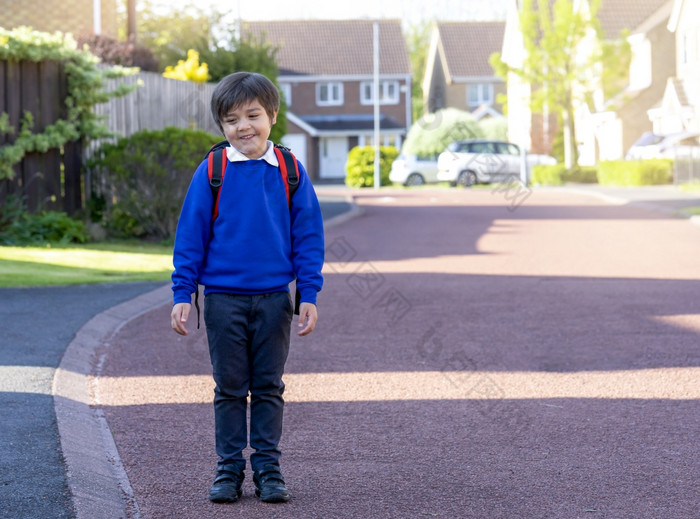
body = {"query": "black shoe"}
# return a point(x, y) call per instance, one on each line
point(269, 485)
point(227, 485)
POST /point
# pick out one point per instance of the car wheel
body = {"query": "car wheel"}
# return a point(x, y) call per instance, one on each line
point(466, 178)
point(415, 179)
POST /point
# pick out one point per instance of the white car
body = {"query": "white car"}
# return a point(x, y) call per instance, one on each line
point(414, 170)
point(671, 146)
point(482, 161)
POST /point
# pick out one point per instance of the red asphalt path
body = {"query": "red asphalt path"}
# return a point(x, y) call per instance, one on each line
point(548, 354)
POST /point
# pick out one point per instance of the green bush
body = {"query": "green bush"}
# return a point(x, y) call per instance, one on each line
point(360, 165)
point(544, 175)
point(635, 172)
point(583, 175)
point(18, 227)
point(557, 175)
point(143, 180)
point(495, 128)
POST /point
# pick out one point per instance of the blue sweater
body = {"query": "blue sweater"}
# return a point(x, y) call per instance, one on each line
point(256, 245)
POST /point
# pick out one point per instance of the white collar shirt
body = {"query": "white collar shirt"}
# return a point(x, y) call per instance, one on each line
point(234, 155)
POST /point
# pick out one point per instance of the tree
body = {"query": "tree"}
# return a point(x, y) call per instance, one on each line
point(562, 63)
point(251, 55)
point(418, 41)
point(219, 44)
point(432, 133)
point(172, 34)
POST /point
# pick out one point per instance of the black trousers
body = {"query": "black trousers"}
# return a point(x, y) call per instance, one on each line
point(248, 345)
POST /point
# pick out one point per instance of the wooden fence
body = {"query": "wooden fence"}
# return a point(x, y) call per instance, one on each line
point(48, 180)
point(56, 181)
point(157, 103)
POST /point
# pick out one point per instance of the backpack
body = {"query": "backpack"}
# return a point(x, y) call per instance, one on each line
point(216, 170)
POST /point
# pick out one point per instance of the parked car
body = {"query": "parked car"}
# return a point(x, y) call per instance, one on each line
point(655, 146)
point(482, 161)
point(414, 170)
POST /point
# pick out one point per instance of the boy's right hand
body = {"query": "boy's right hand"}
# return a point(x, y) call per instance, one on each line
point(178, 317)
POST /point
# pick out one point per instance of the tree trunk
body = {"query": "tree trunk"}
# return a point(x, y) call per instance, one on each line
point(131, 20)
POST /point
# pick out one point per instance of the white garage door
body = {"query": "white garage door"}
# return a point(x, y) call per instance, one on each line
point(334, 155)
point(297, 143)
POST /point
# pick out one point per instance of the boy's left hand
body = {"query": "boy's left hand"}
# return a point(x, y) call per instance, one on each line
point(307, 318)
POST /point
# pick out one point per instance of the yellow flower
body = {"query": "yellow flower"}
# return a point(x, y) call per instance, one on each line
point(189, 70)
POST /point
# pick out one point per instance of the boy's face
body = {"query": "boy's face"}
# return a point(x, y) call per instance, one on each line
point(247, 128)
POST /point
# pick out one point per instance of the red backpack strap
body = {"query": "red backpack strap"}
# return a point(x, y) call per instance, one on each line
point(289, 169)
point(216, 170)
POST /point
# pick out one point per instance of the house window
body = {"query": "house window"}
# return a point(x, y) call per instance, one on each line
point(479, 94)
point(286, 91)
point(388, 92)
point(329, 94)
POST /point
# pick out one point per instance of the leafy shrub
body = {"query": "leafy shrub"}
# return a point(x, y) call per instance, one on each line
point(114, 52)
point(495, 128)
point(557, 175)
point(360, 165)
point(18, 227)
point(144, 178)
point(583, 175)
point(635, 172)
point(548, 175)
point(85, 89)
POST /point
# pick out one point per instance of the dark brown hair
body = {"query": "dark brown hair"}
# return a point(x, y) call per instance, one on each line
point(241, 88)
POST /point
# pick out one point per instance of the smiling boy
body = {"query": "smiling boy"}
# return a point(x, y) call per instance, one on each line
point(246, 258)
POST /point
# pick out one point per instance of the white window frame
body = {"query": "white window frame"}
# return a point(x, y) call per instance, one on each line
point(384, 97)
point(485, 96)
point(286, 90)
point(333, 87)
point(390, 139)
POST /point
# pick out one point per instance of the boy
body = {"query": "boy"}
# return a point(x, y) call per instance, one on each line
point(246, 257)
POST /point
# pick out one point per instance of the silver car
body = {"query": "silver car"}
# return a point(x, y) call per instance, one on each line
point(414, 170)
point(481, 161)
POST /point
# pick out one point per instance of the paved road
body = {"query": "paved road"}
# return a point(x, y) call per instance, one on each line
point(475, 358)
point(37, 325)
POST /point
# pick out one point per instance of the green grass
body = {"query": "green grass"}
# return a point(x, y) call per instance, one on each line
point(81, 264)
point(691, 211)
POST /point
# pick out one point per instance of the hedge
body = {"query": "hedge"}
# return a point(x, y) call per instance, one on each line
point(557, 175)
point(140, 182)
point(635, 172)
point(359, 168)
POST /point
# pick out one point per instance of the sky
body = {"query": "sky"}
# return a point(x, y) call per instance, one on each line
point(410, 11)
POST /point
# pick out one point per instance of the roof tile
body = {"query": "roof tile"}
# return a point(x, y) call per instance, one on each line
point(334, 47)
point(468, 46)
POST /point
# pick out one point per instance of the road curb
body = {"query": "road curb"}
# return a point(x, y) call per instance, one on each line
point(97, 480)
point(355, 210)
point(641, 204)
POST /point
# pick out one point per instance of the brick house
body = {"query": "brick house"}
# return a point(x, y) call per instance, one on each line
point(610, 127)
point(457, 71)
point(679, 109)
point(536, 132)
point(78, 17)
point(326, 77)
